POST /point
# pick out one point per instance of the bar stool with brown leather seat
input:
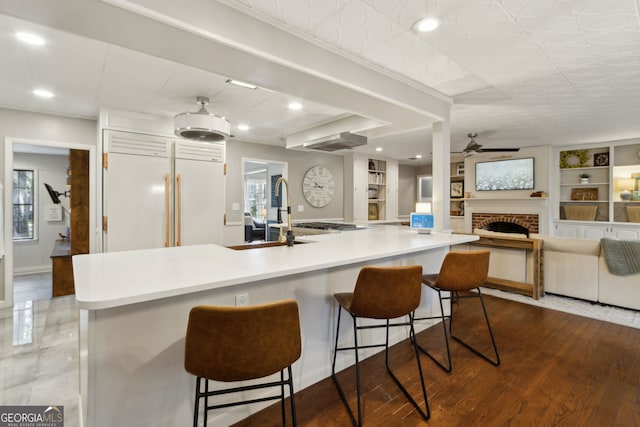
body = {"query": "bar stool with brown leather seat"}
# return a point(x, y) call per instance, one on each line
point(461, 273)
point(381, 293)
point(231, 344)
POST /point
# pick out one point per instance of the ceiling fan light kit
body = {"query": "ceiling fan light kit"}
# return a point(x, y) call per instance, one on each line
point(202, 125)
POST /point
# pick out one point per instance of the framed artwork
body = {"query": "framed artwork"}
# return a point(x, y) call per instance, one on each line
point(275, 202)
point(601, 159)
point(457, 189)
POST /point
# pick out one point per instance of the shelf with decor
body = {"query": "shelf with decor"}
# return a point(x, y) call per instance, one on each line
point(376, 189)
point(606, 203)
point(584, 184)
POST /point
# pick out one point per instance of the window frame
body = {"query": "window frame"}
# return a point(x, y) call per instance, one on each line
point(34, 205)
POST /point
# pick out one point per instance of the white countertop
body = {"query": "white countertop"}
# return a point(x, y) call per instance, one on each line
point(116, 279)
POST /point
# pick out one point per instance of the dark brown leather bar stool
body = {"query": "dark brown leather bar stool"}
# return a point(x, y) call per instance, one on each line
point(231, 344)
point(381, 293)
point(461, 272)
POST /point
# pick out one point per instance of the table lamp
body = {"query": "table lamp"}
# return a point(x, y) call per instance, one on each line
point(636, 191)
point(423, 207)
point(624, 186)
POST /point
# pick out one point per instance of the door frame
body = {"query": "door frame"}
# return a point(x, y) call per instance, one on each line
point(9, 142)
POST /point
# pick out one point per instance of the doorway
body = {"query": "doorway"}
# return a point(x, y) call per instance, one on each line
point(260, 204)
point(28, 255)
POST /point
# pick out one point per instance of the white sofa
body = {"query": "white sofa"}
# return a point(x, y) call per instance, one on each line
point(577, 268)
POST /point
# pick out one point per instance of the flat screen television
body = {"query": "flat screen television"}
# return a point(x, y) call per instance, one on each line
point(53, 194)
point(423, 222)
point(511, 174)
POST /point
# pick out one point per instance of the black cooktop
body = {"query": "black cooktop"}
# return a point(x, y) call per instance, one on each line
point(327, 226)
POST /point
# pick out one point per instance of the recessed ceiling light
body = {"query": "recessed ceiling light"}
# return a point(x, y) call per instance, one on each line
point(295, 106)
point(418, 156)
point(426, 24)
point(30, 38)
point(243, 127)
point(242, 84)
point(43, 93)
point(378, 148)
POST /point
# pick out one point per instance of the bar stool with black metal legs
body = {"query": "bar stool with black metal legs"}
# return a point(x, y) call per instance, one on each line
point(384, 293)
point(461, 272)
point(231, 344)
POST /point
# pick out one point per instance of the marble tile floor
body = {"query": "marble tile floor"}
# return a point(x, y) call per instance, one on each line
point(39, 353)
point(31, 287)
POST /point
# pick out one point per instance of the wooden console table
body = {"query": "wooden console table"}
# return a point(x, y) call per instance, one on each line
point(534, 289)
point(62, 269)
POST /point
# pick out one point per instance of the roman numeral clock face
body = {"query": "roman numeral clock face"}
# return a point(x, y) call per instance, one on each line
point(318, 186)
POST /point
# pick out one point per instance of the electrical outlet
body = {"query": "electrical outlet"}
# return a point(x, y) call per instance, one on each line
point(242, 299)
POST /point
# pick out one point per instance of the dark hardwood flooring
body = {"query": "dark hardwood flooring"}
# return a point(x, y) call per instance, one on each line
point(557, 369)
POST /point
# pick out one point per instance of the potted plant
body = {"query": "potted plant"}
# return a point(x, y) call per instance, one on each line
point(584, 178)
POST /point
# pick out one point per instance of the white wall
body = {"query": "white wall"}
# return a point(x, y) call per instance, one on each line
point(30, 256)
point(43, 127)
point(406, 189)
point(298, 163)
point(541, 157)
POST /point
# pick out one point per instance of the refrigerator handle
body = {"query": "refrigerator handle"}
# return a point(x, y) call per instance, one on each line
point(166, 211)
point(179, 213)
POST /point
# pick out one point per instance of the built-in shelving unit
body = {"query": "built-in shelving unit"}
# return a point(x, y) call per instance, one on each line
point(456, 197)
point(377, 189)
point(603, 205)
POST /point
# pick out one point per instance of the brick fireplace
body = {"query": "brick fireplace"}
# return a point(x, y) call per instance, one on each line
point(531, 213)
point(529, 221)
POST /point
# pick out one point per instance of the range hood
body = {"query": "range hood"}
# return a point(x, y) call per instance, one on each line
point(343, 140)
point(202, 125)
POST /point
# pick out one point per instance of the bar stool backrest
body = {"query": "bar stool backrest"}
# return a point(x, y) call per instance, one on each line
point(463, 271)
point(242, 343)
point(387, 292)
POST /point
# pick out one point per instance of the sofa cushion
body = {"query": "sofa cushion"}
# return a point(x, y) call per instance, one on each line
point(576, 246)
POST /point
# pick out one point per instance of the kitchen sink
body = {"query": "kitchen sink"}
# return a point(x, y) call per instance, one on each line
point(261, 245)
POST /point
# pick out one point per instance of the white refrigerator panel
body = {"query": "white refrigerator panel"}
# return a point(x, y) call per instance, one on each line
point(135, 202)
point(199, 201)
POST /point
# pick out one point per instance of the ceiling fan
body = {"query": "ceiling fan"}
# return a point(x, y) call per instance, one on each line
point(473, 147)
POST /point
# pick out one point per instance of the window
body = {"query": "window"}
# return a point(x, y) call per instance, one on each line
point(256, 201)
point(23, 208)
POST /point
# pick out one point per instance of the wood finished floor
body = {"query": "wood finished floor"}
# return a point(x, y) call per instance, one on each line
point(557, 369)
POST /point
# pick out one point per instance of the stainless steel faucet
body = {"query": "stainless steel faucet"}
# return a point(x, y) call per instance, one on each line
point(289, 238)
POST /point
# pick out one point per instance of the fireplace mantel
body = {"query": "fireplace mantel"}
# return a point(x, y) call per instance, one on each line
point(524, 205)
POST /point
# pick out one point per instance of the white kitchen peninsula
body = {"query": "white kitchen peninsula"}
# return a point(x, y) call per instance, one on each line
point(134, 308)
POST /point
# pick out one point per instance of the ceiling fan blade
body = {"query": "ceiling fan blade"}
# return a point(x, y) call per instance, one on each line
point(497, 150)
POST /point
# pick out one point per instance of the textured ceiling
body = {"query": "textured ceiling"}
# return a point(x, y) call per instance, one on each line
point(533, 72)
point(520, 72)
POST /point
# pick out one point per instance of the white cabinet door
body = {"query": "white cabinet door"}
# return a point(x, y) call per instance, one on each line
point(199, 202)
point(625, 232)
point(594, 232)
point(568, 230)
point(392, 190)
point(135, 195)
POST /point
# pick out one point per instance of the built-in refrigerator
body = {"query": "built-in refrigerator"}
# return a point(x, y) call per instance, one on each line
point(161, 192)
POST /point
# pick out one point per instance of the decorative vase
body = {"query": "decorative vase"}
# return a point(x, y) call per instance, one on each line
point(584, 180)
point(625, 195)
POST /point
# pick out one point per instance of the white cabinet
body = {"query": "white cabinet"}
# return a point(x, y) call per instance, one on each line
point(355, 188)
point(370, 189)
point(457, 224)
point(595, 231)
point(161, 192)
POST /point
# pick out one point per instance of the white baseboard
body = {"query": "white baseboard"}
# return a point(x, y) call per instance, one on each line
point(32, 270)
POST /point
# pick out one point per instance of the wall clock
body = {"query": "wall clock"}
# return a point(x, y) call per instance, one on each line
point(318, 186)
